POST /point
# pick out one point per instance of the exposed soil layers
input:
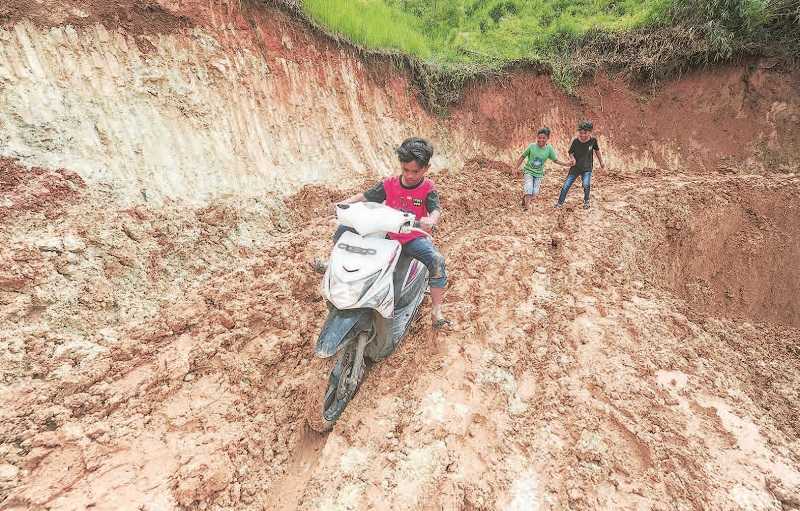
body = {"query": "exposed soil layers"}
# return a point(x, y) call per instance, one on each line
point(198, 99)
point(157, 354)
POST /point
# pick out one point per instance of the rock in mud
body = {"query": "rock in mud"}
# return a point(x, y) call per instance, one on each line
point(72, 243)
point(51, 244)
point(8, 472)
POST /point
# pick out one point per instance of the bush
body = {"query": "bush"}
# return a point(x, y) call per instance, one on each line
point(449, 42)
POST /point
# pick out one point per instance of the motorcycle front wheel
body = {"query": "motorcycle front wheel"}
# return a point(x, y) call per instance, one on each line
point(343, 382)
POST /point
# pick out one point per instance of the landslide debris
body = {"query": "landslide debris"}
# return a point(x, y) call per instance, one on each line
point(162, 357)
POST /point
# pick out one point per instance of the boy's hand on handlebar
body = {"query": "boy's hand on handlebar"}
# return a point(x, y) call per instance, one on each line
point(426, 223)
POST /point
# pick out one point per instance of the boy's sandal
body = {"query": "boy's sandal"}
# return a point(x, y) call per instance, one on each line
point(441, 323)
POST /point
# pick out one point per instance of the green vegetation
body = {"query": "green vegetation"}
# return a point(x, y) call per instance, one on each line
point(475, 31)
point(450, 41)
point(372, 24)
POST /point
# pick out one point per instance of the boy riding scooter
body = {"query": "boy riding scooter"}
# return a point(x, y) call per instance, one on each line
point(412, 192)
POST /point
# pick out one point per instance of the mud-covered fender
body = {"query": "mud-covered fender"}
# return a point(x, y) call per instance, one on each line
point(339, 326)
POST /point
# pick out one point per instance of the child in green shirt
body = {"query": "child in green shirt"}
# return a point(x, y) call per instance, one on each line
point(537, 154)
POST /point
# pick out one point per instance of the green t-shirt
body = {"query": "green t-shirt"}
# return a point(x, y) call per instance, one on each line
point(536, 157)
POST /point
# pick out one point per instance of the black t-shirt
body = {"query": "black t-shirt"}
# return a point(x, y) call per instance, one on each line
point(584, 155)
point(378, 194)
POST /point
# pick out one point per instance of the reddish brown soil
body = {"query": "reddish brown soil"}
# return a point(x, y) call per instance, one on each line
point(736, 252)
point(136, 17)
point(36, 189)
point(714, 119)
point(200, 389)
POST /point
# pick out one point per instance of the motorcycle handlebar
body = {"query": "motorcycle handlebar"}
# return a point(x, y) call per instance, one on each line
point(415, 226)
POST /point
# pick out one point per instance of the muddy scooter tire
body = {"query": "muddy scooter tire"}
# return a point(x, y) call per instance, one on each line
point(339, 391)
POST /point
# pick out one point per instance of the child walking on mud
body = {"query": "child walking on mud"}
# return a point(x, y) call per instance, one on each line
point(533, 172)
point(581, 153)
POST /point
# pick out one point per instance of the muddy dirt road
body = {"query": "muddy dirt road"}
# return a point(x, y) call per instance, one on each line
point(156, 358)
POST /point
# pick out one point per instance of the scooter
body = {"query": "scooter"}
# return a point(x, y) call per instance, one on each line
point(373, 293)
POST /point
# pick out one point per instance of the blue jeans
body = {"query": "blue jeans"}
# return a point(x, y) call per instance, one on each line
point(422, 250)
point(586, 181)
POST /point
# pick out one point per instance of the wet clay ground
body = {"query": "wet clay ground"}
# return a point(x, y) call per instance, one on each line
point(643, 354)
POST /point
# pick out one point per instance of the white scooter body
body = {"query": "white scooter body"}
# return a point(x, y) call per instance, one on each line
point(361, 266)
point(373, 293)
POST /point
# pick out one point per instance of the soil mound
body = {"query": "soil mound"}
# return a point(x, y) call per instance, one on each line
point(738, 254)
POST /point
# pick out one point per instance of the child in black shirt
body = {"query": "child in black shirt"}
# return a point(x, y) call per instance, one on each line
point(581, 154)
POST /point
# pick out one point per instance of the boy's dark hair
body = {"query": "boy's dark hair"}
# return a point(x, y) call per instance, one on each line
point(544, 131)
point(415, 149)
point(585, 126)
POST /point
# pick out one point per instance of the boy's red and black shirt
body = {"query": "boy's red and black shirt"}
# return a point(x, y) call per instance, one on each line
point(378, 194)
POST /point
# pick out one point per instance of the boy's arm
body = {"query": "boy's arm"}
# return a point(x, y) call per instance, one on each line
point(522, 157)
point(434, 211)
point(554, 157)
point(571, 153)
point(374, 194)
point(359, 197)
point(599, 158)
point(427, 222)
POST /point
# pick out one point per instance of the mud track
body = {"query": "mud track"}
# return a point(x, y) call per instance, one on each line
point(577, 374)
